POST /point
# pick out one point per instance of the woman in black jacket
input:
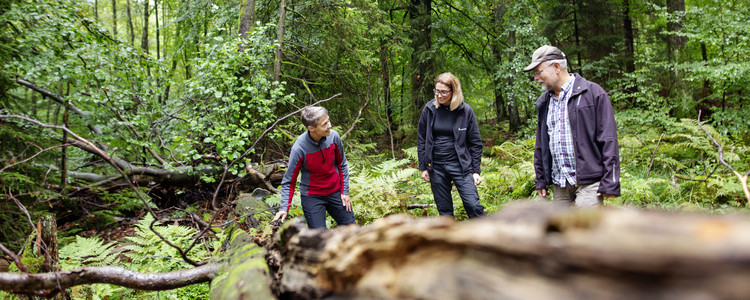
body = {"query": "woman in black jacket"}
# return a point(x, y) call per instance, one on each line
point(450, 148)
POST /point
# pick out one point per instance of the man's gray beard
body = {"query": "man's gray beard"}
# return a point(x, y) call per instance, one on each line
point(544, 87)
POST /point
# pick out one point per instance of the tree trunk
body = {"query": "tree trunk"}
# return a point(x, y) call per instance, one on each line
point(532, 250)
point(247, 20)
point(386, 82)
point(577, 33)
point(64, 154)
point(280, 38)
point(675, 43)
point(421, 65)
point(47, 243)
point(499, 12)
point(629, 49)
point(144, 36)
point(131, 31)
point(114, 18)
point(156, 21)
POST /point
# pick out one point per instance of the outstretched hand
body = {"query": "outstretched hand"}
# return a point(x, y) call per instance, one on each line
point(279, 216)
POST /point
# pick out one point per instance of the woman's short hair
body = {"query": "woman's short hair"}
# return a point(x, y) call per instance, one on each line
point(312, 114)
point(451, 81)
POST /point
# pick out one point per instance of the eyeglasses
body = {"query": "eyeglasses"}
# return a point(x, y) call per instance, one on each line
point(441, 93)
point(537, 73)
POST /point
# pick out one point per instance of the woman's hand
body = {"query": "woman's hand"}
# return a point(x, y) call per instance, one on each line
point(347, 202)
point(426, 175)
point(477, 179)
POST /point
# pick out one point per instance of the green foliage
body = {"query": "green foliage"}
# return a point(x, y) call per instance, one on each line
point(375, 190)
point(87, 252)
point(144, 252)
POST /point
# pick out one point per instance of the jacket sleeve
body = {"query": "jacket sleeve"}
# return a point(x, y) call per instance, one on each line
point(474, 143)
point(539, 180)
point(343, 165)
point(607, 141)
point(421, 133)
point(289, 182)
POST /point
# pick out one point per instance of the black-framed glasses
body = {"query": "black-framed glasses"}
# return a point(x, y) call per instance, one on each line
point(537, 73)
point(441, 93)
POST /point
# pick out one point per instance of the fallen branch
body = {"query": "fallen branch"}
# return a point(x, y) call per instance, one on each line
point(742, 178)
point(54, 281)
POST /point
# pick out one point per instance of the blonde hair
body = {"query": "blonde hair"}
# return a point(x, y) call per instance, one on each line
point(451, 81)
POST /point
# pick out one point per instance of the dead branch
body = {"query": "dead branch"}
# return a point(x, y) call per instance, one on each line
point(742, 178)
point(653, 156)
point(54, 281)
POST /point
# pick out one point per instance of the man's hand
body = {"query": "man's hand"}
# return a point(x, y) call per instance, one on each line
point(426, 175)
point(347, 202)
point(477, 179)
point(542, 192)
point(605, 195)
point(279, 216)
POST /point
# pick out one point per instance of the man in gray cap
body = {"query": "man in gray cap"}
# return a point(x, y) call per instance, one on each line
point(576, 148)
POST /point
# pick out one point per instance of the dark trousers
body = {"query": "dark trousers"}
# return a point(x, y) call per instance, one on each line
point(315, 208)
point(441, 177)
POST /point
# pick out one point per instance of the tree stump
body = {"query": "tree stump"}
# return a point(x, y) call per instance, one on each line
point(526, 251)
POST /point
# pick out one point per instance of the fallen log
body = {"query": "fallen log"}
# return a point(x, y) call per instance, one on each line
point(526, 251)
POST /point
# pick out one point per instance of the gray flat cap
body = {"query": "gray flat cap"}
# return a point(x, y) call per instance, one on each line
point(544, 53)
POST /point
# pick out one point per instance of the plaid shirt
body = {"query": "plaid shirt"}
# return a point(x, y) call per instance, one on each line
point(561, 138)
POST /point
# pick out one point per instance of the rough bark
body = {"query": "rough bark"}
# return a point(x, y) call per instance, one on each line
point(527, 251)
point(421, 65)
point(280, 39)
point(247, 19)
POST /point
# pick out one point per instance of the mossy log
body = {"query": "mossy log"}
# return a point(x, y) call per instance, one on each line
point(245, 275)
point(526, 251)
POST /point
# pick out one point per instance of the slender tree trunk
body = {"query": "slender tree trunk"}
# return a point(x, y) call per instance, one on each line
point(499, 12)
point(96, 10)
point(514, 120)
point(629, 49)
point(156, 21)
point(131, 31)
point(386, 77)
point(114, 18)
point(280, 38)
point(247, 20)
point(706, 84)
point(674, 43)
point(422, 63)
point(629, 40)
point(144, 37)
point(64, 154)
point(578, 37)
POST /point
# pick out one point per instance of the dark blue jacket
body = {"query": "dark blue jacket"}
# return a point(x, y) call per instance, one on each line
point(592, 123)
point(465, 130)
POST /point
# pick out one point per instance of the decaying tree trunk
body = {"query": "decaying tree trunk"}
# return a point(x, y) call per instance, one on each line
point(526, 251)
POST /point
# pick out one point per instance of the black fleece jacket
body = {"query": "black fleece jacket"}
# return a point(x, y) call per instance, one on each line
point(468, 142)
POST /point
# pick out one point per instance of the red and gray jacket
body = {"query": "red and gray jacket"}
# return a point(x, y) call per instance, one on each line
point(592, 123)
point(323, 167)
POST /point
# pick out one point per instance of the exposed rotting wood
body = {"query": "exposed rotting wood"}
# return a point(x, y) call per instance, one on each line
point(525, 251)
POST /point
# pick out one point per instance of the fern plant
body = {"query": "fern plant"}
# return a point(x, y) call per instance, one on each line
point(375, 191)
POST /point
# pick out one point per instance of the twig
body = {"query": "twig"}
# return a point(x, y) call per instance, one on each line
point(743, 179)
point(653, 156)
point(367, 99)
